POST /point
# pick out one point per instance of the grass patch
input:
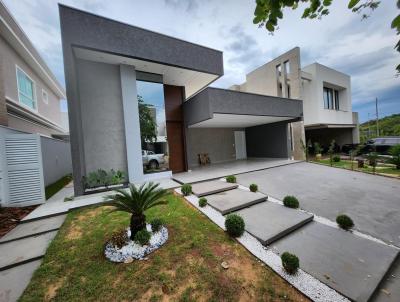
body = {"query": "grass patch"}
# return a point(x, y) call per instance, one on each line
point(52, 189)
point(186, 268)
point(384, 169)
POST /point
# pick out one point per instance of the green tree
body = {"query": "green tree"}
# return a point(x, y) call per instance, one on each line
point(331, 152)
point(136, 201)
point(306, 148)
point(148, 126)
point(267, 12)
point(395, 153)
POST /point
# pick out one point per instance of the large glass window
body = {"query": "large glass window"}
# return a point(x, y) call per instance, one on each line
point(26, 89)
point(331, 99)
point(152, 126)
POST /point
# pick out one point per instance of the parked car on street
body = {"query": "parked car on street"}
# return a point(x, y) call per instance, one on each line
point(152, 160)
point(380, 145)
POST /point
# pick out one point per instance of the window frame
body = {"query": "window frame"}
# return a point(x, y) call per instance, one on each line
point(331, 98)
point(34, 94)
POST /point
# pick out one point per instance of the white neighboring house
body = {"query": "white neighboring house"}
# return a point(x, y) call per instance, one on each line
point(326, 95)
point(34, 147)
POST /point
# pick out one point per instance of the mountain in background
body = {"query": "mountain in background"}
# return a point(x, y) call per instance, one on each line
point(388, 126)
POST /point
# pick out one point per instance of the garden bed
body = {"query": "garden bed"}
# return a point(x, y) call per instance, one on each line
point(11, 216)
point(187, 268)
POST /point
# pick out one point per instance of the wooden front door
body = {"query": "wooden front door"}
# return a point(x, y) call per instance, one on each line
point(174, 97)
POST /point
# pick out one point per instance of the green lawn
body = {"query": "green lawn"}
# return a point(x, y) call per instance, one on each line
point(346, 164)
point(186, 268)
point(52, 189)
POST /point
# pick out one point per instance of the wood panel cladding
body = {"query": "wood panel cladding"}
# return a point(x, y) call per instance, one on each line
point(173, 98)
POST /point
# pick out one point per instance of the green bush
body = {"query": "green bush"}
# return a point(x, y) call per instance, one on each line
point(142, 237)
point(119, 239)
point(345, 222)
point(291, 202)
point(102, 178)
point(202, 202)
point(186, 189)
point(231, 178)
point(290, 262)
point(336, 158)
point(234, 225)
point(253, 188)
point(156, 224)
point(395, 153)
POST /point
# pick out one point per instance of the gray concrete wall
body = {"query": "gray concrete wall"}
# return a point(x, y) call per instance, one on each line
point(56, 158)
point(102, 116)
point(270, 140)
point(219, 143)
point(325, 136)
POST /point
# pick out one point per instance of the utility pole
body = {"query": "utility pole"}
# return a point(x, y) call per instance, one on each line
point(377, 117)
point(369, 127)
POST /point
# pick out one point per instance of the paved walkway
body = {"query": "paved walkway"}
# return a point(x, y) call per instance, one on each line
point(351, 264)
point(22, 249)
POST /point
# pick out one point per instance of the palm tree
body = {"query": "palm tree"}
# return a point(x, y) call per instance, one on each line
point(136, 201)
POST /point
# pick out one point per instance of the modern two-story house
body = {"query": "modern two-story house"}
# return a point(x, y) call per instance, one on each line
point(29, 92)
point(326, 95)
point(118, 77)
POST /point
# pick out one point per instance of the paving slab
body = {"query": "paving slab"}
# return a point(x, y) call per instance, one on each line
point(212, 187)
point(350, 264)
point(269, 221)
point(35, 227)
point(24, 250)
point(389, 289)
point(13, 281)
point(233, 200)
point(48, 209)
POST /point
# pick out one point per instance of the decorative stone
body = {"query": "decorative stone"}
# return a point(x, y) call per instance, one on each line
point(225, 265)
point(133, 250)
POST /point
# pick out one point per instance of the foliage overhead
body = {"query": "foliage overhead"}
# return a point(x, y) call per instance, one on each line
point(267, 12)
point(388, 126)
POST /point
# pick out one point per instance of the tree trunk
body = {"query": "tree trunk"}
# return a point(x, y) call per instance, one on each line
point(138, 223)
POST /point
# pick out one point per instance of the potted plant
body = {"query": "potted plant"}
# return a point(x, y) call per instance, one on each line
point(136, 201)
point(317, 151)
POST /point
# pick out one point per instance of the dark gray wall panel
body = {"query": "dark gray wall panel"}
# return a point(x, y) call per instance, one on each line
point(197, 109)
point(94, 32)
point(270, 140)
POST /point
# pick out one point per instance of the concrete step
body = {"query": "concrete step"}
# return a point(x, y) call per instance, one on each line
point(389, 289)
point(212, 187)
point(352, 265)
point(33, 228)
point(24, 250)
point(270, 221)
point(13, 281)
point(233, 200)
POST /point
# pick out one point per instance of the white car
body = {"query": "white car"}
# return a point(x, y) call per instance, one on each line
point(152, 160)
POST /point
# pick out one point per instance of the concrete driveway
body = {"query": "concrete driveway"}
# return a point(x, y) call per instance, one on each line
point(372, 201)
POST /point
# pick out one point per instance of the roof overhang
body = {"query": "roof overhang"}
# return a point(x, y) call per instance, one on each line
point(329, 126)
point(222, 108)
point(15, 36)
point(181, 63)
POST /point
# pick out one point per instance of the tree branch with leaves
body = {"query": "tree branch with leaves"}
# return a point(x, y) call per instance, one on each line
point(268, 12)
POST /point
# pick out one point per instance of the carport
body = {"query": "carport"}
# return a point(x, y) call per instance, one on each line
point(230, 125)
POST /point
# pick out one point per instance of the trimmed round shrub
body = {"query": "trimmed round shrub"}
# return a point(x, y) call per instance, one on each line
point(345, 222)
point(291, 202)
point(290, 262)
point(142, 237)
point(186, 189)
point(231, 178)
point(156, 224)
point(234, 225)
point(253, 188)
point(336, 158)
point(202, 202)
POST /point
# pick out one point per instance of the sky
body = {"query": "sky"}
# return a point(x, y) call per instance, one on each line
point(363, 49)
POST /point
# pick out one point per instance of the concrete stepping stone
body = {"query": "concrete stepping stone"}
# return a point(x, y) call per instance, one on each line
point(35, 227)
point(24, 250)
point(233, 200)
point(212, 187)
point(270, 221)
point(13, 281)
point(352, 265)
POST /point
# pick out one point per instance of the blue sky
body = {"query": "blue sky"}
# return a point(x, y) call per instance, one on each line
point(362, 49)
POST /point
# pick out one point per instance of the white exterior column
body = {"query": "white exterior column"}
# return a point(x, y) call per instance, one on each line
point(132, 124)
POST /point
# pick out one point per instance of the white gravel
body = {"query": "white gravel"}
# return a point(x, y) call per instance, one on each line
point(133, 250)
point(304, 282)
